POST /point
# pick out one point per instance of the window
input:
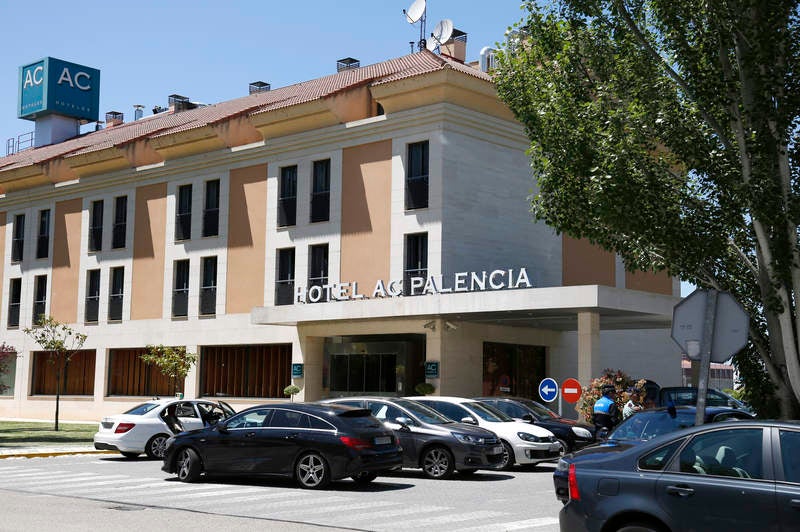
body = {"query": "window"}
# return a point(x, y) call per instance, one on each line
point(321, 191)
point(18, 238)
point(790, 455)
point(417, 176)
point(180, 291)
point(416, 263)
point(208, 289)
point(92, 296)
point(287, 197)
point(116, 293)
point(77, 378)
point(129, 375)
point(211, 209)
point(96, 226)
point(14, 299)
point(39, 298)
point(317, 272)
point(658, 459)
point(245, 370)
point(9, 361)
point(364, 373)
point(284, 279)
point(730, 453)
point(183, 213)
point(43, 238)
point(118, 234)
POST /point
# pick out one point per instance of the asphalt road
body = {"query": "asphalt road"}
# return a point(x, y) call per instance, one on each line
point(92, 492)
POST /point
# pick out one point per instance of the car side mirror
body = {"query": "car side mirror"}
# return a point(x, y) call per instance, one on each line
point(602, 435)
point(527, 418)
point(222, 427)
point(405, 422)
point(468, 419)
point(732, 404)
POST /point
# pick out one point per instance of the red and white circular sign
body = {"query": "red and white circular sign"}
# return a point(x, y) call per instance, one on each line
point(571, 390)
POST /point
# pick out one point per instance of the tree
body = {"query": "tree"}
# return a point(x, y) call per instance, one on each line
point(291, 391)
point(6, 354)
point(173, 362)
point(667, 132)
point(61, 343)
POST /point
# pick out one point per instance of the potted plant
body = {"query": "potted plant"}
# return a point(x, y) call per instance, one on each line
point(291, 390)
point(424, 388)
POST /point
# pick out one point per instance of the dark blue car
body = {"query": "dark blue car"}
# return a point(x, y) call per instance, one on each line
point(733, 475)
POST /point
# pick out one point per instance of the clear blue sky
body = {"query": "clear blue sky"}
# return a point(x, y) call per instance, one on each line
point(211, 50)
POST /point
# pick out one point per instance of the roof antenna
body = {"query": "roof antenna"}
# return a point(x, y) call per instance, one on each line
point(415, 13)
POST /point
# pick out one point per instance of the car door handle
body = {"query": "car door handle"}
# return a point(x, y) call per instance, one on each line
point(795, 503)
point(291, 436)
point(681, 491)
point(250, 435)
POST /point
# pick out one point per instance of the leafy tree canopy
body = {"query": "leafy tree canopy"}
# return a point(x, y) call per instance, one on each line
point(667, 131)
point(173, 362)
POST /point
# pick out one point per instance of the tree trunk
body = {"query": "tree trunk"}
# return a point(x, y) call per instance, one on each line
point(58, 396)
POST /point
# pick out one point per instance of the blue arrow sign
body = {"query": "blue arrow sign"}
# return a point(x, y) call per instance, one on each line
point(548, 390)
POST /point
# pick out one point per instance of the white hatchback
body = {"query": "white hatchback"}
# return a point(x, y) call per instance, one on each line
point(523, 443)
point(145, 428)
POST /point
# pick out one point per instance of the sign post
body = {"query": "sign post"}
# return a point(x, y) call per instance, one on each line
point(711, 326)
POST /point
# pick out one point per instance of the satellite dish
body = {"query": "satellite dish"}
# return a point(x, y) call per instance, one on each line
point(443, 31)
point(431, 45)
point(416, 11)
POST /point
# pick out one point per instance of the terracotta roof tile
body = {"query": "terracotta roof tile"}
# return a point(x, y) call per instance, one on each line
point(159, 125)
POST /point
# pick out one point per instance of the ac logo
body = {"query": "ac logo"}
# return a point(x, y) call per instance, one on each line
point(81, 79)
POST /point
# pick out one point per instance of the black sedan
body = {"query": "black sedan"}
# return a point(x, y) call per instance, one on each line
point(312, 443)
point(742, 475)
point(570, 433)
point(430, 441)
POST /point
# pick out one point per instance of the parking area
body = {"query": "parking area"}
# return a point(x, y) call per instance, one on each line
point(521, 499)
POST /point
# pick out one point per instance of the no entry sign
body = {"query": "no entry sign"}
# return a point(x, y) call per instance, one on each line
point(571, 390)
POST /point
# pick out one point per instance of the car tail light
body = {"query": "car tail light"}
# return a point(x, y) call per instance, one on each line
point(124, 427)
point(574, 494)
point(355, 443)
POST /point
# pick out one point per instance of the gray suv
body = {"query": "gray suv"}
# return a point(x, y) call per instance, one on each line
point(430, 441)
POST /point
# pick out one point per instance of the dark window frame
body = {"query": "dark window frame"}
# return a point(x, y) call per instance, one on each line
point(96, 226)
point(287, 196)
point(180, 288)
point(284, 276)
point(119, 235)
point(183, 213)
point(415, 259)
point(417, 175)
point(116, 293)
point(14, 302)
point(43, 236)
point(208, 285)
point(39, 299)
point(320, 191)
point(18, 239)
point(92, 303)
point(211, 208)
point(318, 268)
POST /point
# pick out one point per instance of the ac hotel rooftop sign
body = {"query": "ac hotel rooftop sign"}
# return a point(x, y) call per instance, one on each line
point(434, 284)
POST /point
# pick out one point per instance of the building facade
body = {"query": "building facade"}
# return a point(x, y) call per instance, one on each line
point(357, 233)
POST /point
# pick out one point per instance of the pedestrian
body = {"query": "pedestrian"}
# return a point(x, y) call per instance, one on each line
point(633, 405)
point(606, 411)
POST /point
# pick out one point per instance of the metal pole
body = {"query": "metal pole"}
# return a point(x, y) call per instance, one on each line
point(705, 355)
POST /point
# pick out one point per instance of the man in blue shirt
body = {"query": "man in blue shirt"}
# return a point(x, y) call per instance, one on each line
point(606, 411)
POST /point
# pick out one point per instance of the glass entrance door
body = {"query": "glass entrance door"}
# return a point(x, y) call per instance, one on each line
point(372, 373)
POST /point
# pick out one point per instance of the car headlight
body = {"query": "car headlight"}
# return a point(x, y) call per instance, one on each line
point(582, 432)
point(468, 438)
point(531, 438)
point(562, 465)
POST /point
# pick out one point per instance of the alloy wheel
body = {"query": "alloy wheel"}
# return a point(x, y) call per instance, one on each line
point(437, 463)
point(311, 470)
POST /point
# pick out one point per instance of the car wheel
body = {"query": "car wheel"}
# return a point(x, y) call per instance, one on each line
point(365, 477)
point(129, 455)
point(156, 446)
point(466, 471)
point(564, 447)
point(188, 465)
point(438, 463)
point(312, 471)
point(508, 457)
point(639, 527)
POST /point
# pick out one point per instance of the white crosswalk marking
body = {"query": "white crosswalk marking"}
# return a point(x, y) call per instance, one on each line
point(77, 480)
point(415, 511)
point(106, 485)
point(34, 475)
point(265, 497)
point(513, 525)
point(307, 503)
point(447, 519)
point(224, 492)
point(338, 509)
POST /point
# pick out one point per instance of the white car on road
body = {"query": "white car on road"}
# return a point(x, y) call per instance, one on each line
point(145, 428)
point(523, 443)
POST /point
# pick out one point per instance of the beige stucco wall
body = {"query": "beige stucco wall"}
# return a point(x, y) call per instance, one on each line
point(149, 238)
point(584, 263)
point(246, 238)
point(66, 261)
point(366, 213)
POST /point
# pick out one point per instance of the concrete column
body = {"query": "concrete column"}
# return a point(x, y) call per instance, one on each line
point(434, 331)
point(191, 385)
point(100, 372)
point(588, 346)
point(310, 351)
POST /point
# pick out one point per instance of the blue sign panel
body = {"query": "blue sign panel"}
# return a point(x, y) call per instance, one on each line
point(432, 370)
point(53, 86)
point(297, 371)
point(548, 390)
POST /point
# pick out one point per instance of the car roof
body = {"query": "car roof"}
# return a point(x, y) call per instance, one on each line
point(310, 408)
point(444, 398)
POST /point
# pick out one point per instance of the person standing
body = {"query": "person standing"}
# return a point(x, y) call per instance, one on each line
point(633, 405)
point(606, 411)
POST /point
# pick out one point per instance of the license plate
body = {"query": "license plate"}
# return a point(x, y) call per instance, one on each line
point(497, 450)
point(383, 440)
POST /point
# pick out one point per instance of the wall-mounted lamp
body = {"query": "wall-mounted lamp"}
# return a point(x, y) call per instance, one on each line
point(430, 325)
point(450, 326)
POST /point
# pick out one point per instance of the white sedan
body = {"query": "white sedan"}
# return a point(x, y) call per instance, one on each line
point(146, 427)
point(523, 443)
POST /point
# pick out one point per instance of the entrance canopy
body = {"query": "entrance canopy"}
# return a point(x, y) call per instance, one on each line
point(555, 308)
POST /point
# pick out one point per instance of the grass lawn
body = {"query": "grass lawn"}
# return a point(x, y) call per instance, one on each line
point(33, 433)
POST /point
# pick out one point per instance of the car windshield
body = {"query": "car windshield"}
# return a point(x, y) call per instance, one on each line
point(648, 425)
point(424, 413)
point(486, 412)
point(539, 409)
point(142, 409)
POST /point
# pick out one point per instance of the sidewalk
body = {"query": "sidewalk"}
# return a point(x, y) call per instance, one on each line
point(49, 450)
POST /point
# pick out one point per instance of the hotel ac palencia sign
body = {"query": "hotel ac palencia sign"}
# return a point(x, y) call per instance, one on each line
point(433, 284)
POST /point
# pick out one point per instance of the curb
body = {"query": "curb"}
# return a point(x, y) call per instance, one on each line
point(45, 454)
